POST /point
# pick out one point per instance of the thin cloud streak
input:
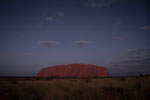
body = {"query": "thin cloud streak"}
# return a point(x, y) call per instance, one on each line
point(61, 14)
point(137, 62)
point(100, 3)
point(120, 38)
point(145, 28)
point(118, 22)
point(50, 19)
point(48, 43)
point(137, 57)
point(82, 42)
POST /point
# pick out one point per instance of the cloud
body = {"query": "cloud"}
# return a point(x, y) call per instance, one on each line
point(47, 43)
point(145, 28)
point(137, 62)
point(30, 54)
point(60, 14)
point(100, 3)
point(50, 19)
point(119, 38)
point(82, 42)
point(118, 22)
point(138, 57)
point(139, 51)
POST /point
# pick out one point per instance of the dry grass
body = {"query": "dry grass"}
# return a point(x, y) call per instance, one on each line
point(132, 88)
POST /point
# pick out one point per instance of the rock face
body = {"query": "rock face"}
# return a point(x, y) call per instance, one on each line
point(74, 70)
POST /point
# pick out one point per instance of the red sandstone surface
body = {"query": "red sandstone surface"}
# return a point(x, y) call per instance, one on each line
point(74, 70)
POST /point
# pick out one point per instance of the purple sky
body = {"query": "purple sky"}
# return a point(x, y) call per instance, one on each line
point(41, 33)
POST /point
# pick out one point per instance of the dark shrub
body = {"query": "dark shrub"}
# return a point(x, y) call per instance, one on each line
point(123, 79)
point(14, 82)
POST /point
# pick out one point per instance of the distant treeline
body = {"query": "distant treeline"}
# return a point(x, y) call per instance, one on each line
point(50, 77)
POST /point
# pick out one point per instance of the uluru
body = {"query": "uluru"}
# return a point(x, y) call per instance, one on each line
point(74, 70)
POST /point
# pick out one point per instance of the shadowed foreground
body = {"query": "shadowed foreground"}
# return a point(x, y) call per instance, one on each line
point(132, 88)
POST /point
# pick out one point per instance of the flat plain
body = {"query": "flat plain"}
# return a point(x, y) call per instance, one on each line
point(111, 88)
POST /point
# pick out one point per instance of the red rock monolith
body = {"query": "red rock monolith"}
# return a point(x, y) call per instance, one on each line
point(74, 70)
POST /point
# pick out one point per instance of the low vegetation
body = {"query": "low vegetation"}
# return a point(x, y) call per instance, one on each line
point(130, 88)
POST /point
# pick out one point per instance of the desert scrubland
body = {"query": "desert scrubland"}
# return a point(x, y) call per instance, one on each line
point(119, 88)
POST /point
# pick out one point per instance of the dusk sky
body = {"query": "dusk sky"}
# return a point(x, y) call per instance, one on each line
point(41, 33)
